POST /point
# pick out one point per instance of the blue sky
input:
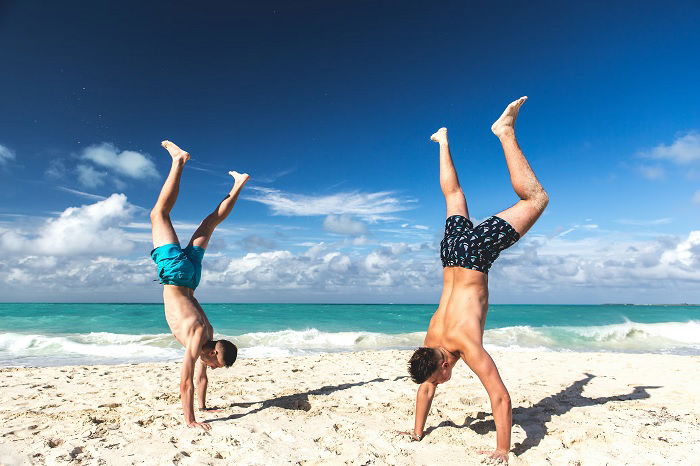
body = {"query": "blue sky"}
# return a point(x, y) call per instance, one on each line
point(329, 107)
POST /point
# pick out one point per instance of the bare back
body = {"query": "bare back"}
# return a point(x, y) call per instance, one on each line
point(461, 314)
point(184, 314)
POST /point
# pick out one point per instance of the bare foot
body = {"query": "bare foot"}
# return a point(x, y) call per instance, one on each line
point(506, 123)
point(239, 178)
point(175, 152)
point(495, 457)
point(440, 136)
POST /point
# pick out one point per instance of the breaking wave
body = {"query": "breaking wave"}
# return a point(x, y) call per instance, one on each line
point(18, 349)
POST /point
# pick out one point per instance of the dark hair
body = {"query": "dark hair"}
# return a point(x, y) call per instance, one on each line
point(423, 363)
point(228, 351)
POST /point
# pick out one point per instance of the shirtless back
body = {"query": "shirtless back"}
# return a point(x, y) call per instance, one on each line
point(179, 270)
point(456, 329)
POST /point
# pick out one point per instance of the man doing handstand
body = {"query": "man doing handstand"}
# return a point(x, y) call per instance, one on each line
point(180, 270)
point(467, 252)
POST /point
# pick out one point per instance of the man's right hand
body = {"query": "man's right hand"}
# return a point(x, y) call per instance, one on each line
point(415, 437)
point(202, 425)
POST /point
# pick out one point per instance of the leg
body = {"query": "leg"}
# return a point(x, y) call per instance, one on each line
point(454, 197)
point(533, 198)
point(201, 236)
point(161, 226)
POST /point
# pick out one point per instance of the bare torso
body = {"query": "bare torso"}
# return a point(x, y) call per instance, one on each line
point(184, 314)
point(461, 314)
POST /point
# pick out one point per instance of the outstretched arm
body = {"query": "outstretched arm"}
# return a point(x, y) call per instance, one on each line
point(483, 366)
point(424, 398)
point(202, 382)
point(186, 376)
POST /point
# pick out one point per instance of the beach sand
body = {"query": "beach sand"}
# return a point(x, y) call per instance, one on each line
point(345, 408)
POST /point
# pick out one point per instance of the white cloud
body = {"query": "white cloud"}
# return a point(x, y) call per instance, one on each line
point(319, 268)
point(367, 206)
point(686, 253)
point(6, 154)
point(696, 197)
point(127, 163)
point(89, 177)
point(89, 229)
point(684, 149)
point(595, 263)
point(344, 225)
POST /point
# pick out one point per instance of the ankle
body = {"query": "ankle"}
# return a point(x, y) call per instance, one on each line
point(506, 134)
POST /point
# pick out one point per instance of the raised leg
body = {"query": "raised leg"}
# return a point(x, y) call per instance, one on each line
point(203, 233)
point(449, 183)
point(533, 198)
point(161, 226)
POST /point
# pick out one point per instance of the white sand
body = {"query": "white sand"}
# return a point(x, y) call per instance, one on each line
point(345, 408)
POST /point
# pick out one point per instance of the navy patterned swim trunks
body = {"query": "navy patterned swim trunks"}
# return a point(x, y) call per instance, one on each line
point(475, 248)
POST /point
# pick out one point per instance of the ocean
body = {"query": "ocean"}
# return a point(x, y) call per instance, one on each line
point(44, 334)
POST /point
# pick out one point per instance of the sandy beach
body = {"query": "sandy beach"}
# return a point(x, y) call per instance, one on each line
point(345, 408)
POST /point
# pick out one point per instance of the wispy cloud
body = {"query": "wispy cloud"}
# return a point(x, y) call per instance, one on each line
point(642, 223)
point(6, 154)
point(652, 172)
point(89, 177)
point(683, 150)
point(696, 197)
point(274, 176)
point(367, 206)
point(81, 193)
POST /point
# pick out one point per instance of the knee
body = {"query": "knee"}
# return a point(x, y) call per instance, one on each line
point(541, 199)
point(453, 191)
point(157, 214)
point(538, 198)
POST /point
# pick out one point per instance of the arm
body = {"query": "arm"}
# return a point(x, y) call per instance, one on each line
point(424, 398)
point(186, 376)
point(483, 366)
point(202, 382)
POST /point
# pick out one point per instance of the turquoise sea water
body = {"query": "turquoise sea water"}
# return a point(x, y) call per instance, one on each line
point(56, 334)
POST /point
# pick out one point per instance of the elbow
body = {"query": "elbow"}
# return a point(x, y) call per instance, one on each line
point(503, 401)
point(186, 386)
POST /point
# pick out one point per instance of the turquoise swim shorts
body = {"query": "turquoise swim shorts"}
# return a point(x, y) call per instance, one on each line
point(177, 266)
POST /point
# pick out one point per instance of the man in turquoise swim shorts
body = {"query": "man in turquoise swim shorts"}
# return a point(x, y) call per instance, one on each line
point(180, 270)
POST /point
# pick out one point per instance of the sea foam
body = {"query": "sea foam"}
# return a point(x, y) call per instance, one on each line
point(17, 349)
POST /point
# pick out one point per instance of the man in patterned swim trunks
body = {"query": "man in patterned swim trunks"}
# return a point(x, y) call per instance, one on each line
point(180, 270)
point(457, 327)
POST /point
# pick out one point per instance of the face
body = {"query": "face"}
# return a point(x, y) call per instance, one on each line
point(442, 374)
point(211, 360)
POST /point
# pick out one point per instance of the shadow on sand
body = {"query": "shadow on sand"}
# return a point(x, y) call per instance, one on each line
point(296, 401)
point(534, 419)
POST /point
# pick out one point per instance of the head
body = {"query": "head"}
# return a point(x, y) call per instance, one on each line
point(219, 353)
point(429, 364)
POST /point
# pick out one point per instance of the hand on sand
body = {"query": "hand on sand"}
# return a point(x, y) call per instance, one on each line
point(411, 434)
point(494, 457)
point(205, 427)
